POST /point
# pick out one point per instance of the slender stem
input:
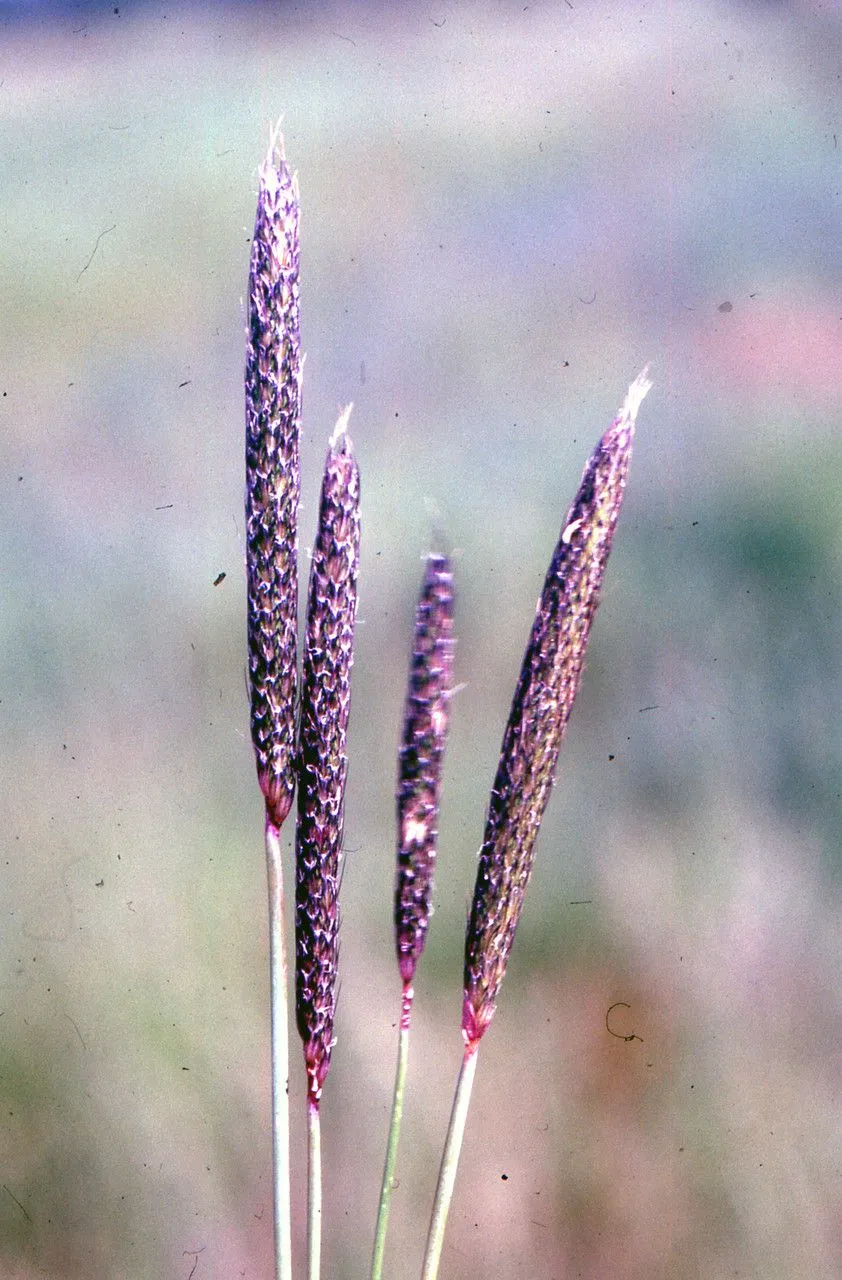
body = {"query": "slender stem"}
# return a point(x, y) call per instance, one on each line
point(449, 1161)
point(388, 1184)
point(280, 1054)
point(314, 1191)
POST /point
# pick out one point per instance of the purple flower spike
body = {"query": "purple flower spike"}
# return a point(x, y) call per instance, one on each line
point(549, 679)
point(273, 414)
point(426, 722)
point(322, 759)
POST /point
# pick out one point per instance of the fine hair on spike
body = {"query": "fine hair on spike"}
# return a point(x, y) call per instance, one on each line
point(341, 427)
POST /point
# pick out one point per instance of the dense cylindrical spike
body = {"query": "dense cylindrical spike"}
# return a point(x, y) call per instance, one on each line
point(273, 414)
point(322, 759)
point(421, 757)
point(549, 679)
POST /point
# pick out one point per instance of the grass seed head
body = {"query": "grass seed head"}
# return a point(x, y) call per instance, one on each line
point(322, 759)
point(273, 415)
point(421, 757)
point(547, 686)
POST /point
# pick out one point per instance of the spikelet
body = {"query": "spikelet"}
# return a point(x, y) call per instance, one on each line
point(273, 414)
point(322, 760)
point(421, 757)
point(549, 679)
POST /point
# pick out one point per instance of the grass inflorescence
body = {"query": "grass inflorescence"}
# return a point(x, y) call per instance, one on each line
point(300, 732)
point(273, 480)
point(548, 683)
point(420, 763)
point(421, 759)
point(322, 756)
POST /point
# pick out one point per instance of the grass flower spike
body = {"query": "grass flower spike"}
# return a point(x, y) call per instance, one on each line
point(322, 769)
point(546, 689)
point(273, 416)
point(322, 761)
point(421, 757)
point(273, 413)
point(426, 721)
point(549, 680)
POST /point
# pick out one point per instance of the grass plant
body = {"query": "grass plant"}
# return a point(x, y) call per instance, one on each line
point(300, 735)
point(322, 770)
point(273, 422)
point(420, 763)
point(548, 683)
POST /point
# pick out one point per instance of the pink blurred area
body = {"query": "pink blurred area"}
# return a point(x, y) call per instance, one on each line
point(792, 347)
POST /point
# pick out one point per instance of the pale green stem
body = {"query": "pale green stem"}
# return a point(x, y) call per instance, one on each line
point(314, 1191)
point(280, 1054)
point(449, 1162)
point(388, 1185)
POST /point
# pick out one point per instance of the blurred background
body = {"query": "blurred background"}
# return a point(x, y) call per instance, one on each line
point(507, 210)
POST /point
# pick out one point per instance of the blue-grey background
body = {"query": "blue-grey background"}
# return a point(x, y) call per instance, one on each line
point(508, 209)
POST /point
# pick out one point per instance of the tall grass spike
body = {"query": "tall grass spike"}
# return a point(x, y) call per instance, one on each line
point(546, 689)
point(322, 758)
point(273, 417)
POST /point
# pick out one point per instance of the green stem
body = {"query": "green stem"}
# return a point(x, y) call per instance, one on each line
point(314, 1191)
point(280, 1054)
point(388, 1184)
point(449, 1162)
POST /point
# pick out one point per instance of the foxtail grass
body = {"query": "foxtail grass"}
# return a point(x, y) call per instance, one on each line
point(420, 761)
point(544, 696)
point(322, 770)
point(273, 423)
point(273, 413)
point(299, 730)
